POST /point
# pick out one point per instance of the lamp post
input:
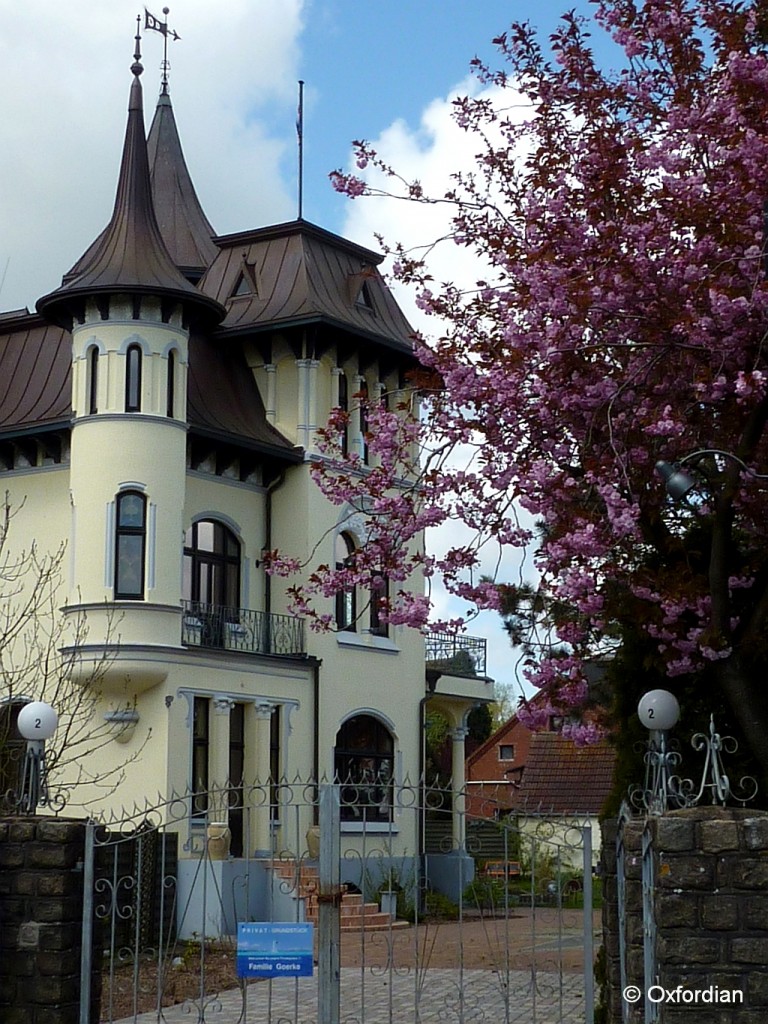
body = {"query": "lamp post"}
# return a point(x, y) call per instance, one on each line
point(678, 483)
point(659, 711)
point(37, 723)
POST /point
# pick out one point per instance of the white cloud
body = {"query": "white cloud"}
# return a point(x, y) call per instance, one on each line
point(64, 81)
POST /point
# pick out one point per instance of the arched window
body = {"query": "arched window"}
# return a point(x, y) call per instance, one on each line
point(93, 380)
point(379, 600)
point(133, 379)
point(364, 767)
point(211, 565)
point(171, 383)
point(346, 599)
point(130, 544)
point(363, 399)
point(344, 406)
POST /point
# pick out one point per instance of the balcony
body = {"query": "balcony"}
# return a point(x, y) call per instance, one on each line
point(456, 654)
point(240, 629)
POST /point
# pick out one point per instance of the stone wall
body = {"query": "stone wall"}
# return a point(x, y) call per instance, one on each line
point(710, 907)
point(41, 906)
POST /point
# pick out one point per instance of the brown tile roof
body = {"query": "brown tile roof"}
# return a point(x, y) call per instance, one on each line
point(35, 365)
point(223, 399)
point(130, 254)
point(303, 274)
point(186, 231)
point(561, 778)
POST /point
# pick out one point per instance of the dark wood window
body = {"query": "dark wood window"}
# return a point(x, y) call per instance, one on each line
point(201, 742)
point(236, 772)
point(346, 598)
point(379, 596)
point(93, 380)
point(212, 564)
point(133, 359)
point(344, 406)
point(364, 766)
point(274, 762)
point(171, 384)
point(130, 544)
point(363, 399)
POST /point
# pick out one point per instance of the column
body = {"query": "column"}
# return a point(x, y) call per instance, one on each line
point(257, 788)
point(219, 758)
point(270, 405)
point(302, 411)
point(356, 442)
point(312, 402)
point(458, 735)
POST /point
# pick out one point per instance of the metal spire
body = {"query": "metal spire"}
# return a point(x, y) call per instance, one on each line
point(151, 22)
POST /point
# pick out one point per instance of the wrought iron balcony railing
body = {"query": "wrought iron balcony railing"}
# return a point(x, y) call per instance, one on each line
point(456, 654)
point(240, 629)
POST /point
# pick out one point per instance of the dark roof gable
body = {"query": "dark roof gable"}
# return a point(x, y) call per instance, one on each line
point(306, 275)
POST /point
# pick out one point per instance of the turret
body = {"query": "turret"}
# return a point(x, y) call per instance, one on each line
point(129, 309)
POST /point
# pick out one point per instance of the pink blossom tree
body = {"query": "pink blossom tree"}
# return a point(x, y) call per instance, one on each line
point(623, 320)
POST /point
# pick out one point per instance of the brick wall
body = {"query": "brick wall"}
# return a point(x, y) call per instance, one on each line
point(710, 903)
point(41, 906)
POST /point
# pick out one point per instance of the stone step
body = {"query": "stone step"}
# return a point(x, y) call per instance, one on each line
point(348, 911)
point(356, 915)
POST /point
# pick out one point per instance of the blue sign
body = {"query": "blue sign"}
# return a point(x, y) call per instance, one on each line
point(274, 950)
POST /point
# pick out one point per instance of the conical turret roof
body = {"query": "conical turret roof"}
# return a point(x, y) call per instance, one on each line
point(186, 231)
point(130, 254)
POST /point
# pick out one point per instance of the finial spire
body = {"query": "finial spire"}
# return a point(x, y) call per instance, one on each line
point(151, 22)
point(137, 67)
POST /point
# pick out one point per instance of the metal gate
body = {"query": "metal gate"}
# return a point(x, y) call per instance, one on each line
point(496, 925)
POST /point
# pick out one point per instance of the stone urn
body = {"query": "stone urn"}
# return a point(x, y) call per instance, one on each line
point(313, 842)
point(218, 839)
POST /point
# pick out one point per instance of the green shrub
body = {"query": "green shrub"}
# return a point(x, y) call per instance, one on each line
point(438, 905)
point(487, 894)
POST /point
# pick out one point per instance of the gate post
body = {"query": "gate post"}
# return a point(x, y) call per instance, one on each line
point(86, 956)
point(329, 905)
point(589, 927)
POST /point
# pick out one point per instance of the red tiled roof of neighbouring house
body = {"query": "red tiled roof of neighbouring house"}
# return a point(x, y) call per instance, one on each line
point(561, 778)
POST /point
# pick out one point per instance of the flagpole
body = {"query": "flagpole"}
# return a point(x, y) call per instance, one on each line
point(300, 130)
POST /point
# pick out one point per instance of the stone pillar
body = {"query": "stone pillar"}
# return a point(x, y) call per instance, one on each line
point(219, 758)
point(336, 372)
point(313, 365)
point(302, 399)
point(710, 909)
point(257, 782)
point(458, 825)
point(356, 440)
point(41, 911)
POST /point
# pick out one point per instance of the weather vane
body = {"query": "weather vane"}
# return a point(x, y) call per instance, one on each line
point(153, 23)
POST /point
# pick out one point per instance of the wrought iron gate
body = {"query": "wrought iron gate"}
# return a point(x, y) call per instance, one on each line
point(497, 925)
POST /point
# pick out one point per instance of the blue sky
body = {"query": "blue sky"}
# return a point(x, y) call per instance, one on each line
point(388, 61)
point(385, 72)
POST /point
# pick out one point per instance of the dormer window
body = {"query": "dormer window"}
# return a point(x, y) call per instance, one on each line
point(364, 298)
point(246, 282)
point(243, 286)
